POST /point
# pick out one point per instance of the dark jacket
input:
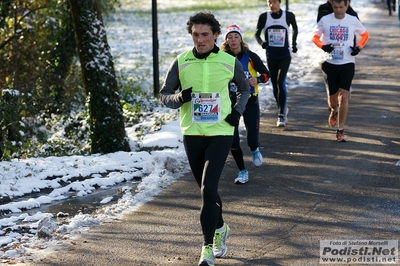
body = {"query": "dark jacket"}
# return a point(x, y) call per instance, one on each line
point(326, 9)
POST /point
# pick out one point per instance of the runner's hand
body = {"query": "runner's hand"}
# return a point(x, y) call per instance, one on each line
point(233, 118)
point(327, 48)
point(355, 50)
point(264, 45)
point(294, 49)
point(185, 95)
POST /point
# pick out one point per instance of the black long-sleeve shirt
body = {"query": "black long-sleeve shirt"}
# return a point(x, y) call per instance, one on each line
point(290, 20)
point(258, 66)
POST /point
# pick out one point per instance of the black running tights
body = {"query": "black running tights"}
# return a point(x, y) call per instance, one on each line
point(207, 156)
point(279, 69)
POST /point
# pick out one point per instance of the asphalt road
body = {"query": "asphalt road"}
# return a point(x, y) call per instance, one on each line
point(310, 188)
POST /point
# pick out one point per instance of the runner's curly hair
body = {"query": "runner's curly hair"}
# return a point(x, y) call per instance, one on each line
point(205, 18)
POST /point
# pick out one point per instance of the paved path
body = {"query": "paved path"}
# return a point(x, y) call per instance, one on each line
point(309, 188)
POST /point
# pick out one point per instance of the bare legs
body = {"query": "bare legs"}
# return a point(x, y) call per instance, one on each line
point(339, 102)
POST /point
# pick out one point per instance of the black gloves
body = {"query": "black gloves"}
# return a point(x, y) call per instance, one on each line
point(233, 118)
point(185, 95)
point(294, 49)
point(355, 50)
point(264, 45)
point(327, 48)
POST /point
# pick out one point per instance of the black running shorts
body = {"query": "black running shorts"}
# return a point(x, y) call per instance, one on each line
point(338, 76)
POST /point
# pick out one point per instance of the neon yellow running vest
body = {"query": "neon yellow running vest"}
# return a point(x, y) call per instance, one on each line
point(206, 76)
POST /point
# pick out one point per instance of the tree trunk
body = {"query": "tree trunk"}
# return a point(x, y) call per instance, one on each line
point(107, 124)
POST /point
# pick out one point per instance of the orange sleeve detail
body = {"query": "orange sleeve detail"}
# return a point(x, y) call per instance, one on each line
point(316, 39)
point(364, 39)
point(251, 63)
point(266, 77)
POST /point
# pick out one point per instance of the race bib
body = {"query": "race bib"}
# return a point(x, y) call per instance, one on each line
point(276, 37)
point(206, 108)
point(338, 52)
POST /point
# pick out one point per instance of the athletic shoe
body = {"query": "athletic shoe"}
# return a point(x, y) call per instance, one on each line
point(243, 177)
point(282, 119)
point(207, 256)
point(257, 157)
point(220, 249)
point(340, 137)
point(332, 118)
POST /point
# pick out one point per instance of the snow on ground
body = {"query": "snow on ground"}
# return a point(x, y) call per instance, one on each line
point(130, 40)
